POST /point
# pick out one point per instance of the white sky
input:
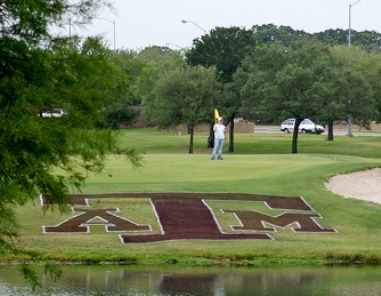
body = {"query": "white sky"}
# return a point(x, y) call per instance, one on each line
point(142, 23)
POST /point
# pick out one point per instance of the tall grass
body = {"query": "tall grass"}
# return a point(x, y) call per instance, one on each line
point(261, 163)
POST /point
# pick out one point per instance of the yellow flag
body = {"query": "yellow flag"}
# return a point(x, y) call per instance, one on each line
point(216, 114)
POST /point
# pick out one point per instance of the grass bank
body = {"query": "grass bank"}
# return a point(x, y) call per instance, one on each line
point(261, 164)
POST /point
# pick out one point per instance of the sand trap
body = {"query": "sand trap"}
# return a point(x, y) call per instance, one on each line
point(365, 185)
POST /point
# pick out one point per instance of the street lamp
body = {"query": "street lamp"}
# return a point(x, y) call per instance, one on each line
point(187, 21)
point(112, 22)
point(349, 46)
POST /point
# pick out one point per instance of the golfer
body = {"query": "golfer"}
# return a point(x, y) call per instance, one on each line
point(219, 139)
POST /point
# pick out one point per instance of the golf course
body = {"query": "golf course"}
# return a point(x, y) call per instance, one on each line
point(298, 220)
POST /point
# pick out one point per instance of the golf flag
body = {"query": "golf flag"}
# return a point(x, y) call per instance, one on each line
point(216, 114)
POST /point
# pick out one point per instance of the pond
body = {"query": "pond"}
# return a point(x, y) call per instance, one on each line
point(218, 281)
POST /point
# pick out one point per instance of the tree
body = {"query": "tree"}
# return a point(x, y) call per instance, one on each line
point(349, 95)
point(156, 61)
point(224, 48)
point(119, 115)
point(307, 79)
point(122, 111)
point(289, 82)
point(366, 66)
point(183, 96)
point(256, 77)
point(37, 74)
point(369, 40)
point(283, 34)
point(333, 36)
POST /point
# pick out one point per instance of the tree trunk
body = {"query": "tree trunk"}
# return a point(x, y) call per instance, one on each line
point(330, 131)
point(211, 136)
point(191, 137)
point(231, 136)
point(230, 120)
point(295, 135)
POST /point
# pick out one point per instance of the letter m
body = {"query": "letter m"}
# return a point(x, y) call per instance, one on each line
point(252, 220)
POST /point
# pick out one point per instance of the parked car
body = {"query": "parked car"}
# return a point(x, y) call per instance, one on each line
point(306, 126)
point(56, 112)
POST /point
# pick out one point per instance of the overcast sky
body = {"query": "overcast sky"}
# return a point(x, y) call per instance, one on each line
point(142, 23)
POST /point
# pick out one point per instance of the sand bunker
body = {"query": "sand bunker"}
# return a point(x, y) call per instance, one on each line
point(365, 185)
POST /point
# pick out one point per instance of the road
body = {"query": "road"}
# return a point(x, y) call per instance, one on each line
point(262, 129)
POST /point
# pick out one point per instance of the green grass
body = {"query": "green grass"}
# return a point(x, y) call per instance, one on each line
point(261, 164)
point(154, 141)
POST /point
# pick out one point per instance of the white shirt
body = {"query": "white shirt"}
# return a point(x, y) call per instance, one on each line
point(219, 131)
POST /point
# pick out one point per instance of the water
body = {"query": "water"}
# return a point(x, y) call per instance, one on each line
point(181, 281)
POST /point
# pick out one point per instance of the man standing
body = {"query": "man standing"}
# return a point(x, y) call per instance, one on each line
point(219, 139)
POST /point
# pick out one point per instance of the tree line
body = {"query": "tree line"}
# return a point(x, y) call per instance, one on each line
point(268, 73)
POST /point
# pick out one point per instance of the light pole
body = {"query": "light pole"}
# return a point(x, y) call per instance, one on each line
point(70, 28)
point(349, 46)
point(112, 22)
point(350, 19)
point(191, 22)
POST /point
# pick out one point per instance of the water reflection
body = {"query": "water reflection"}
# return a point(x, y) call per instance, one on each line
point(216, 281)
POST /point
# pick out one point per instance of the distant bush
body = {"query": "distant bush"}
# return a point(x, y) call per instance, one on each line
point(117, 116)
